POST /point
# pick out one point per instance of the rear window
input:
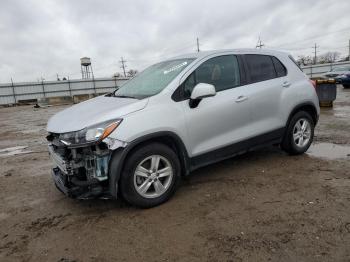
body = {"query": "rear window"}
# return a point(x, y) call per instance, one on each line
point(260, 68)
point(279, 67)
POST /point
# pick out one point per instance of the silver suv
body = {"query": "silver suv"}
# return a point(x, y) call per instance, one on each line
point(179, 115)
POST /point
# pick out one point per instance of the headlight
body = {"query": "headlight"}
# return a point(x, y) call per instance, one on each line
point(90, 134)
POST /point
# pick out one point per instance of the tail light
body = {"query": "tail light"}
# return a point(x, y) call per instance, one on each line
point(313, 82)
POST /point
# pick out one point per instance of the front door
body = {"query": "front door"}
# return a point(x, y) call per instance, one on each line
point(223, 119)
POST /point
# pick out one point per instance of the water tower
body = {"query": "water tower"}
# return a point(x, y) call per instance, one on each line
point(86, 68)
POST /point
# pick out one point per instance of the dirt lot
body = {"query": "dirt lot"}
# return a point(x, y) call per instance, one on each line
point(262, 206)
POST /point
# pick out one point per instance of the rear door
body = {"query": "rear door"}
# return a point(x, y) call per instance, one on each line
point(266, 83)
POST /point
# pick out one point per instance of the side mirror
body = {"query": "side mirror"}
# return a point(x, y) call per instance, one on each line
point(202, 90)
point(199, 92)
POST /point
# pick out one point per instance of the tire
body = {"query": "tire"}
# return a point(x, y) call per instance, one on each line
point(296, 141)
point(346, 86)
point(142, 188)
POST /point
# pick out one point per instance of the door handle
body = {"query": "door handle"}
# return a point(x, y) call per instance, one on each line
point(286, 84)
point(241, 99)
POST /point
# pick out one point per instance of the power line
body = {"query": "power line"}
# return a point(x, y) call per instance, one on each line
point(313, 37)
point(123, 66)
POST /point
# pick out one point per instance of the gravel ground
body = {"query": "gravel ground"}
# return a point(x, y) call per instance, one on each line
point(261, 206)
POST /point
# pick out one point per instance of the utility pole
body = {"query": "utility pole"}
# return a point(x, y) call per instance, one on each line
point(123, 66)
point(198, 45)
point(259, 44)
point(315, 53)
point(349, 51)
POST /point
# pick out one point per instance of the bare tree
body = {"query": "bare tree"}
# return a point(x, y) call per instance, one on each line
point(329, 57)
point(132, 73)
point(346, 58)
point(304, 60)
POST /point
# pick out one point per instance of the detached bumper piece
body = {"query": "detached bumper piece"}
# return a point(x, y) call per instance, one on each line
point(78, 189)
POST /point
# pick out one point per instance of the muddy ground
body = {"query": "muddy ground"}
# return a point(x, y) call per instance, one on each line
point(261, 206)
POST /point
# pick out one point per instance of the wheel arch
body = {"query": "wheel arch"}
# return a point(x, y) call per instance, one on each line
point(308, 107)
point(119, 156)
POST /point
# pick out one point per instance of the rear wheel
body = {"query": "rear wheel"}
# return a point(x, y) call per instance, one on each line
point(299, 134)
point(150, 176)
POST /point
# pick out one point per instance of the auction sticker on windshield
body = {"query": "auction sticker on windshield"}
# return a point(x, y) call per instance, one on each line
point(175, 68)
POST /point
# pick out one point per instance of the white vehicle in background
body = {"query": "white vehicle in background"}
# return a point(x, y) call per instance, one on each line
point(179, 115)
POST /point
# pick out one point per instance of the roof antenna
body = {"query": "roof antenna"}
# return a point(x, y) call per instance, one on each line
point(259, 44)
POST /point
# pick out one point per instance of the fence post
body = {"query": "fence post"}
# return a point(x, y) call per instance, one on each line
point(115, 83)
point(13, 91)
point(69, 88)
point(93, 81)
point(42, 82)
point(311, 70)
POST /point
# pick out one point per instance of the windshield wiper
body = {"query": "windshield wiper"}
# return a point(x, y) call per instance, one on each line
point(125, 96)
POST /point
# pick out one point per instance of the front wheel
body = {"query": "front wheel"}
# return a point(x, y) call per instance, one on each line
point(299, 134)
point(150, 175)
point(346, 85)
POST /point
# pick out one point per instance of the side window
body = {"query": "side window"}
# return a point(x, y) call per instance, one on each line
point(188, 85)
point(295, 62)
point(279, 67)
point(221, 71)
point(260, 68)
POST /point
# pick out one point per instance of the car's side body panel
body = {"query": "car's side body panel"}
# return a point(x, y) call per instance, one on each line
point(219, 121)
point(235, 120)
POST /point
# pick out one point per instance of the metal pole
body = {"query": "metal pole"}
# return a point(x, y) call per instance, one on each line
point(315, 53)
point(93, 79)
point(82, 72)
point(13, 91)
point(122, 61)
point(311, 70)
point(42, 82)
point(69, 88)
point(197, 45)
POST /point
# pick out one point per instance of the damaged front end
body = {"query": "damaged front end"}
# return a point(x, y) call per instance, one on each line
point(81, 164)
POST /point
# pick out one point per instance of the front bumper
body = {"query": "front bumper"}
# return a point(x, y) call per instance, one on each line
point(67, 187)
point(86, 171)
point(76, 177)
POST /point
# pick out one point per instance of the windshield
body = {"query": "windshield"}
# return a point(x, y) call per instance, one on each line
point(337, 69)
point(152, 80)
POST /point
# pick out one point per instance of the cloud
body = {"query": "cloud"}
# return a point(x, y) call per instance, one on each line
point(42, 38)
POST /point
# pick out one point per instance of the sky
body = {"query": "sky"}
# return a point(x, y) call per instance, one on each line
point(39, 39)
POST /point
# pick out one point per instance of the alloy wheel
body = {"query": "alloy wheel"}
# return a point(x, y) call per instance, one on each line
point(302, 132)
point(153, 176)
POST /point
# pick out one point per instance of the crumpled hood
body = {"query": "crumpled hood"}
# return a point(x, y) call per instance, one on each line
point(93, 111)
